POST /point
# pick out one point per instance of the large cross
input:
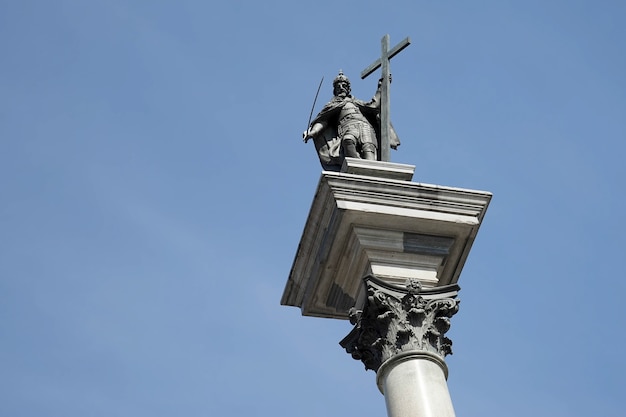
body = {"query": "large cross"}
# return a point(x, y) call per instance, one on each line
point(383, 61)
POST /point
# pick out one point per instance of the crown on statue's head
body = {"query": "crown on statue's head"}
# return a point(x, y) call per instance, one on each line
point(341, 77)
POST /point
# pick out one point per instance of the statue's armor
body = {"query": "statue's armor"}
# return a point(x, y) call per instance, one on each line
point(353, 123)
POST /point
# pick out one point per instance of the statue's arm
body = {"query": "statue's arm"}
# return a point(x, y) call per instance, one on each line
point(317, 128)
point(375, 101)
point(314, 130)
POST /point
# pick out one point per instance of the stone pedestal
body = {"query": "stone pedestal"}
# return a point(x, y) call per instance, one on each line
point(386, 253)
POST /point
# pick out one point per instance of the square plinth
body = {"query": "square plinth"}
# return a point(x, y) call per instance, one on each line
point(371, 219)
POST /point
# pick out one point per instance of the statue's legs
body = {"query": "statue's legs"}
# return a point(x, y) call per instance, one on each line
point(358, 140)
point(368, 151)
point(349, 146)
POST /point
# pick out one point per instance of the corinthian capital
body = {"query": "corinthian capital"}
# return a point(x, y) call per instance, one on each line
point(396, 320)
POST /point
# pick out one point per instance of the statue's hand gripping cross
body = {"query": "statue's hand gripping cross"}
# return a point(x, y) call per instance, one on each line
point(383, 62)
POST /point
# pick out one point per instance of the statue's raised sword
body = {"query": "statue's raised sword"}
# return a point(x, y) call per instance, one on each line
point(306, 131)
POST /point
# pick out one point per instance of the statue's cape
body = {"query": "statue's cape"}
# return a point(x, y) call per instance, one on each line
point(328, 143)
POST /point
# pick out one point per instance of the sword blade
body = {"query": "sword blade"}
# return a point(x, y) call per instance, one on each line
point(314, 101)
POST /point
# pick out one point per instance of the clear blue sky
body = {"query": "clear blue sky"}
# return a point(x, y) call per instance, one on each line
point(154, 187)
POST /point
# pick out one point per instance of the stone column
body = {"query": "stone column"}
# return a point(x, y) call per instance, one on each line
point(410, 240)
point(400, 334)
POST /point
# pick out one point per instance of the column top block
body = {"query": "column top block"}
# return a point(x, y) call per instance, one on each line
point(372, 219)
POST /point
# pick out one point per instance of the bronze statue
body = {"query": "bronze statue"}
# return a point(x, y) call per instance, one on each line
point(348, 127)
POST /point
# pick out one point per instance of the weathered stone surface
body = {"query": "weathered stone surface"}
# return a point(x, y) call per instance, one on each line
point(371, 219)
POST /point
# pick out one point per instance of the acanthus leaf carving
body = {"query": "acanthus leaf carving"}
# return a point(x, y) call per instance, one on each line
point(396, 320)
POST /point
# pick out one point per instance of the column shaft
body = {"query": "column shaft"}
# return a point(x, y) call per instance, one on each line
point(414, 385)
